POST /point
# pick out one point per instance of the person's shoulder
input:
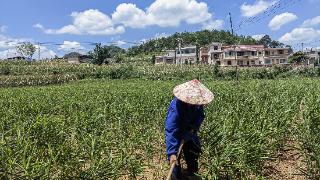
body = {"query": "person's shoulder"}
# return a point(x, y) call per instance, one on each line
point(173, 104)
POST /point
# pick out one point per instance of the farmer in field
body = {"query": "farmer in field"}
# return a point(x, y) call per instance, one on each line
point(183, 121)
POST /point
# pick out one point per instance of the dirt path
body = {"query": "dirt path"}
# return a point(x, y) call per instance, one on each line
point(289, 165)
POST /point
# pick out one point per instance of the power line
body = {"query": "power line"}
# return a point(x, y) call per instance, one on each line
point(275, 8)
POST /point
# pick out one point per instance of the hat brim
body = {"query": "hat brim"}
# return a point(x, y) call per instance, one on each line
point(193, 92)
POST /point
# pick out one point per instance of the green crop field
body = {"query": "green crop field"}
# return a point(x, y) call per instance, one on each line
point(114, 129)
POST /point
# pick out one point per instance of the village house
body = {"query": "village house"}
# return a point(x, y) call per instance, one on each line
point(79, 59)
point(185, 55)
point(211, 54)
point(17, 58)
point(243, 55)
point(168, 58)
point(275, 56)
point(227, 55)
point(313, 56)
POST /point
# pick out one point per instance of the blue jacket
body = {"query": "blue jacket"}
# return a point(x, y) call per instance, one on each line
point(179, 121)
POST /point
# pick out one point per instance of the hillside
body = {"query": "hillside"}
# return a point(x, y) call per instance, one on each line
point(199, 39)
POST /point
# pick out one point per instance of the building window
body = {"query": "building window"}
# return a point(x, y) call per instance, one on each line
point(229, 63)
point(267, 61)
point(253, 53)
point(280, 51)
point(283, 61)
point(267, 53)
point(253, 62)
point(272, 52)
point(218, 62)
point(260, 52)
point(215, 48)
point(229, 54)
point(240, 53)
point(240, 63)
point(216, 56)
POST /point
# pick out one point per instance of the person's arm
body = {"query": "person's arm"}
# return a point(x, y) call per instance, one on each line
point(172, 132)
point(199, 119)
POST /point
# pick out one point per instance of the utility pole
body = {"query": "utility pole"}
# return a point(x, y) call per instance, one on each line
point(236, 60)
point(231, 23)
point(179, 46)
point(303, 54)
point(234, 47)
point(39, 51)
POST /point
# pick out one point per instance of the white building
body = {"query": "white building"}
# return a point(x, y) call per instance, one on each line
point(186, 55)
point(243, 55)
point(168, 58)
point(211, 54)
point(274, 56)
point(313, 55)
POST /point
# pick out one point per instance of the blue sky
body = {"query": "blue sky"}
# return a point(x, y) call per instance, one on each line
point(71, 24)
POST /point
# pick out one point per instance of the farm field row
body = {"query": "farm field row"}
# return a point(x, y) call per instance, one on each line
point(115, 128)
point(21, 73)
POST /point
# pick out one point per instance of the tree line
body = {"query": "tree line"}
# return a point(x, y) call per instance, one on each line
point(102, 54)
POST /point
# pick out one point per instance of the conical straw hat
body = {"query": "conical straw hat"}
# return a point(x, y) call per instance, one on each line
point(193, 92)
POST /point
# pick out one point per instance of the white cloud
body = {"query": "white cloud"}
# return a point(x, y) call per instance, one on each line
point(8, 53)
point(144, 40)
point(8, 42)
point(300, 35)
point(258, 36)
point(8, 48)
point(312, 22)
point(213, 24)
point(70, 45)
point(45, 53)
point(3, 29)
point(91, 22)
point(258, 7)
point(166, 13)
point(161, 35)
point(120, 43)
point(163, 13)
point(130, 16)
point(281, 19)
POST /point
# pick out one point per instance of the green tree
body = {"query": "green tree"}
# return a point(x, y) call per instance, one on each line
point(298, 57)
point(153, 59)
point(269, 43)
point(119, 58)
point(71, 55)
point(101, 54)
point(26, 49)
